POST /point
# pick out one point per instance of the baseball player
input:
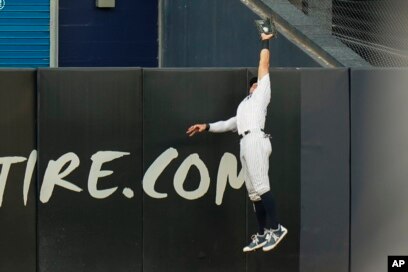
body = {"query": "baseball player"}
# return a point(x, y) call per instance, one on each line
point(255, 149)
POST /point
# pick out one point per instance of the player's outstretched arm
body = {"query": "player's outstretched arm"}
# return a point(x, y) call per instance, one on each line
point(217, 127)
point(264, 57)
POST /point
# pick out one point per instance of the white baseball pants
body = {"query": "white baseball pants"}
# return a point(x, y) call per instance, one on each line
point(255, 151)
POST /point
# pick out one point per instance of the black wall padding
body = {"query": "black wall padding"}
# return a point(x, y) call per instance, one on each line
point(108, 200)
point(17, 139)
point(283, 123)
point(379, 169)
point(325, 160)
point(181, 234)
point(86, 111)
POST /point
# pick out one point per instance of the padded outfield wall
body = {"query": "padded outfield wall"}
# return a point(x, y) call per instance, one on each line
point(97, 173)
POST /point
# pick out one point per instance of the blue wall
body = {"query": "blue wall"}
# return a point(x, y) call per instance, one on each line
point(25, 33)
point(122, 36)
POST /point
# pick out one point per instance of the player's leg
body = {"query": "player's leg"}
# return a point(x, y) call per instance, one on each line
point(248, 184)
point(258, 166)
point(260, 213)
point(276, 232)
point(257, 203)
point(260, 183)
point(268, 202)
point(257, 160)
point(258, 240)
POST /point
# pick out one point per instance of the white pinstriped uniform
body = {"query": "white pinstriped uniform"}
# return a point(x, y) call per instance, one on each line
point(255, 146)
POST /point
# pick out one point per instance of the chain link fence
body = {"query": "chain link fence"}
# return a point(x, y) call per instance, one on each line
point(377, 30)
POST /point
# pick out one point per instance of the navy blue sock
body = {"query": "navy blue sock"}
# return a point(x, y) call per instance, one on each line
point(269, 204)
point(260, 216)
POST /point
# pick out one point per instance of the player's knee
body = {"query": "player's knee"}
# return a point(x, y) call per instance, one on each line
point(255, 197)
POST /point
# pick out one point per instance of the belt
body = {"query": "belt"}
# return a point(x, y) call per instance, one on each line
point(246, 132)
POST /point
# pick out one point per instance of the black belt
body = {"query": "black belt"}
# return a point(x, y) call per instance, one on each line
point(246, 132)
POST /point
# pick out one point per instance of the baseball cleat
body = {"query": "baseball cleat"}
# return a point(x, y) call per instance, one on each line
point(274, 237)
point(258, 241)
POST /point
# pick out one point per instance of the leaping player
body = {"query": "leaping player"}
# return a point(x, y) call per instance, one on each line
point(255, 149)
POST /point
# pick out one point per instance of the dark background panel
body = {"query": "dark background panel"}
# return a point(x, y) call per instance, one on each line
point(181, 234)
point(325, 170)
point(379, 134)
point(93, 37)
point(85, 111)
point(283, 123)
point(219, 34)
point(17, 138)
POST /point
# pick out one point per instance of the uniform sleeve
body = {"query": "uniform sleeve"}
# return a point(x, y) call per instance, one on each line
point(224, 126)
point(263, 91)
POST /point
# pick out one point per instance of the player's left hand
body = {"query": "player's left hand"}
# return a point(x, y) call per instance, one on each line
point(196, 128)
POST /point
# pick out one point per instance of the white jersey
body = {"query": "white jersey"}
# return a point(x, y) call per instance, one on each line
point(255, 147)
point(251, 112)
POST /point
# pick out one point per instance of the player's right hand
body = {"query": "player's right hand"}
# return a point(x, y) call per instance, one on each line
point(195, 128)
